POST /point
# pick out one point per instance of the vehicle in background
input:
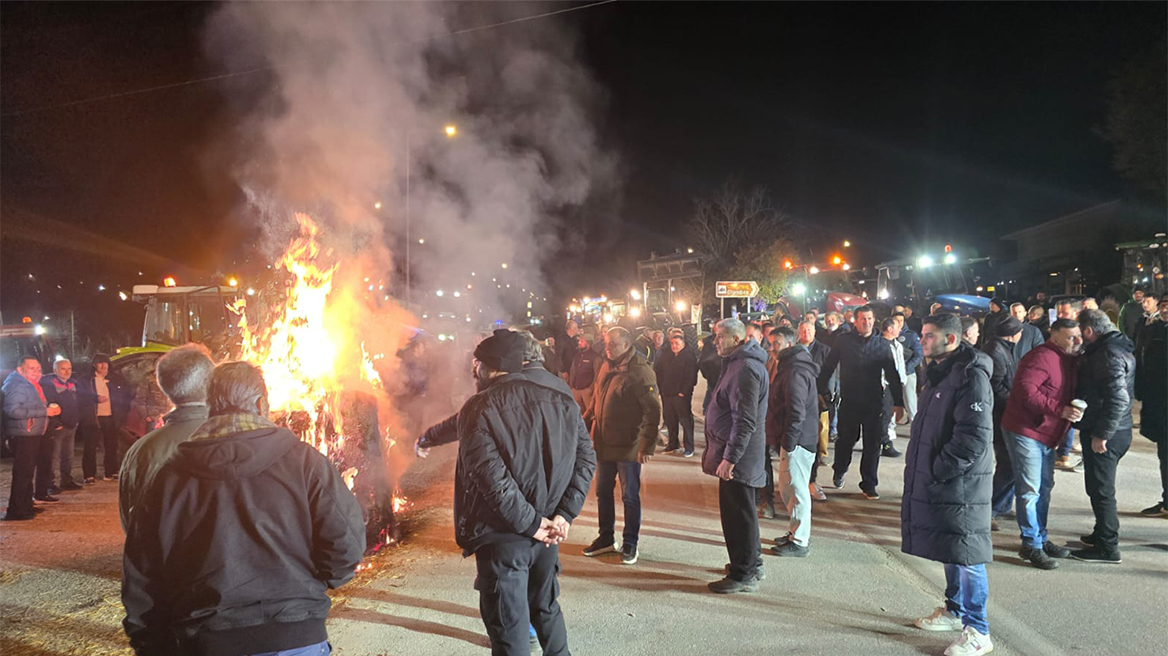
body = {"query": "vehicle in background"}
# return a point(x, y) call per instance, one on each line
point(828, 289)
point(954, 281)
point(19, 340)
point(1145, 262)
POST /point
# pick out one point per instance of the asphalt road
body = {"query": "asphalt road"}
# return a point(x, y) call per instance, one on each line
point(856, 593)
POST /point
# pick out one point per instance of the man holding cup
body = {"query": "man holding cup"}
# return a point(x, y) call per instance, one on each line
point(1038, 414)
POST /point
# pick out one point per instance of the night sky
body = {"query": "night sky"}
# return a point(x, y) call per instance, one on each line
point(883, 124)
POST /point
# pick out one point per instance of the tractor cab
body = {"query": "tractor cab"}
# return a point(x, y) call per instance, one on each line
point(179, 315)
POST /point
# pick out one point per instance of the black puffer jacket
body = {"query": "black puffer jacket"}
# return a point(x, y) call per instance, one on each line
point(709, 362)
point(793, 408)
point(234, 544)
point(523, 455)
point(1106, 381)
point(949, 463)
point(1001, 353)
point(1152, 383)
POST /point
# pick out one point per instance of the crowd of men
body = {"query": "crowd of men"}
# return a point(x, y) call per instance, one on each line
point(235, 528)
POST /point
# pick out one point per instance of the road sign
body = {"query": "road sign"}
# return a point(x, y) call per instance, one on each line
point(736, 289)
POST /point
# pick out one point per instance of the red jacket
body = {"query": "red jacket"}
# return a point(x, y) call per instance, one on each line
point(1043, 386)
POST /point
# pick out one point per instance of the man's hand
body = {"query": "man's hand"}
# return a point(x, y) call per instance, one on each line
point(898, 413)
point(560, 526)
point(725, 470)
point(1071, 413)
point(544, 534)
point(420, 451)
point(643, 458)
point(1099, 445)
point(53, 410)
point(681, 395)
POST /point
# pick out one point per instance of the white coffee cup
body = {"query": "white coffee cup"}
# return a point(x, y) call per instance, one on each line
point(1080, 404)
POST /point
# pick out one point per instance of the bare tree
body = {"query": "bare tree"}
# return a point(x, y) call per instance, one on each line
point(725, 225)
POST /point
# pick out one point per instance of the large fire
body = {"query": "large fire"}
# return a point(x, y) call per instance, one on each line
point(322, 382)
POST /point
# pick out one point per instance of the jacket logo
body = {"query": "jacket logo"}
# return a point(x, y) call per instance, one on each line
point(975, 406)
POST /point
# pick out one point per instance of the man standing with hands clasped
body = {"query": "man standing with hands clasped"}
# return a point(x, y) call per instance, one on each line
point(736, 450)
point(525, 463)
point(948, 470)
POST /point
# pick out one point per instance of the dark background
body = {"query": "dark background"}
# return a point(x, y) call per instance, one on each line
point(889, 125)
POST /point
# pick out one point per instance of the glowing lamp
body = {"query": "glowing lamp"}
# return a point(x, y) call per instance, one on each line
point(169, 281)
point(799, 289)
point(680, 306)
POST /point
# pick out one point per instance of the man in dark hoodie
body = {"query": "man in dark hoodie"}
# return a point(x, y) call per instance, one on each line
point(710, 366)
point(184, 375)
point(998, 313)
point(1106, 382)
point(677, 374)
point(792, 430)
point(525, 462)
point(945, 508)
point(233, 546)
point(1001, 352)
point(736, 450)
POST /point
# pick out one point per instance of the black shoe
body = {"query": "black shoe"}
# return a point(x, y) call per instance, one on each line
point(1055, 551)
point(783, 539)
point(1038, 558)
point(766, 511)
point(889, 451)
point(629, 554)
point(1158, 510)
point(730, 586)
point(70, 486)
point(89, 481)
point(54, 491)
point(837, 482)
point(1088, 539)
point(1097, 555)
point(46, 498)
point(791, 549)
point(759, 574)
point(871, 495)
point(600, 546)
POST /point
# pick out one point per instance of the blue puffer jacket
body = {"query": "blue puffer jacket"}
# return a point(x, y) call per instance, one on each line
point(736, 416)
point(949, 463)
point(25, 414)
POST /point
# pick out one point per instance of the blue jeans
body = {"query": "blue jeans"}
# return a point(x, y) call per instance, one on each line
point(630, 479)
point(1068, 442)
point(966, 592)
point(319, 649)
point(1033, 464)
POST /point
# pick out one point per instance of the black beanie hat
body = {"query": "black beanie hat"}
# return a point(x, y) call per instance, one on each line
point(502, 351)
point(1009, 327)
point(997, 300)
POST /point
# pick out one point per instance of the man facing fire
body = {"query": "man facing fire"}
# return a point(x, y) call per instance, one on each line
point(525, 463)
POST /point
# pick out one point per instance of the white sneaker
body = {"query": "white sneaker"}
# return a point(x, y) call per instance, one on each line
point(940, 620)
point(970, 643)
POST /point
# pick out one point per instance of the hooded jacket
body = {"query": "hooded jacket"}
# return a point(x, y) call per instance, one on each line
point(1044, 384)
point(709, 362)
point(677, 373)
point(235, 543)
point(625, 410)
point(1001, 354)
point(523, 455)
point(26, 414)
point(792, 417)
point(1106, 381)
point(736, 417)
point(1152, 383)
point(949, 464)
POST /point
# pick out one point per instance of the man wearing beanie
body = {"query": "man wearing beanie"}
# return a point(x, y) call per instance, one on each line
point(525, 463)
point(624, 416)
point(998, 313)
point(1000, 348)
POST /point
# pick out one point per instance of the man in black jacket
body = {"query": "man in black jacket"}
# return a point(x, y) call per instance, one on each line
point(862, 355)
point(1106, 382)
point(59, 388)
point(1001, 352)
point(945, 508)
point(710, 365)
point(233, 546)
point(1152, 390)
point(792, 430)
point(677, 374)
point(525, 463)
point(819, 352)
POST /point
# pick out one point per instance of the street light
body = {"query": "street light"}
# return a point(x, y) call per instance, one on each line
point(679, 306)
point(847, 244)
point(451, 130)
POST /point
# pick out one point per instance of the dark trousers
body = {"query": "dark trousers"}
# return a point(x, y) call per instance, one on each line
point(111, 460)
point(1003, 484)
point(90, 435)
point(517, 585)
point(44, 465)
point(630, 479)
point(852, 422)
point(1162, 454)
point(767, 494)
point(740, 528)
point(679, 409)
point(1099, 479)
point(24, 462)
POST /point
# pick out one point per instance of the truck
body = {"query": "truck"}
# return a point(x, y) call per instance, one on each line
point(955, 281)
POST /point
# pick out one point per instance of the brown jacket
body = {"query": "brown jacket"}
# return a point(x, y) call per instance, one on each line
point(625, 410)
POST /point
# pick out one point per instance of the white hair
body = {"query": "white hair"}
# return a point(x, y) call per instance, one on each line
point(736, 328)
